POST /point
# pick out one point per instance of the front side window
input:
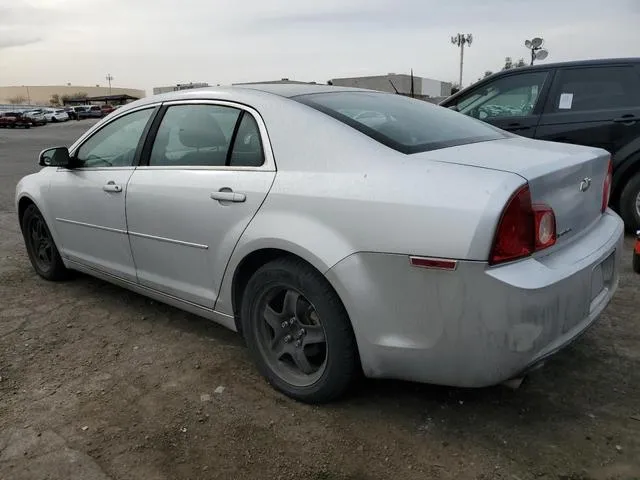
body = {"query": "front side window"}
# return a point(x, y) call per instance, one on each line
point(202, 135)
point(404, 124)
point(115, 144)
point(596, 88)
point(511, 96)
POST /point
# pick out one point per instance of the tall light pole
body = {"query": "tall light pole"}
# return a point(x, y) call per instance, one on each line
point(460, 40)
point(109, 77)
point(537, 52)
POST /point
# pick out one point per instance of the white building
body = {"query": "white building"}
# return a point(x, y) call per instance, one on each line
point(392, 82)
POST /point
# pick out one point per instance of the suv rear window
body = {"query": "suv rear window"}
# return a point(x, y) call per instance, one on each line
point(402, 123)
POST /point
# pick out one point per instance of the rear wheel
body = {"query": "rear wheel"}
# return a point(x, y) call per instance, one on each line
point(41, 248)
point(630, 204)
point(636, 262)
point(298, 332)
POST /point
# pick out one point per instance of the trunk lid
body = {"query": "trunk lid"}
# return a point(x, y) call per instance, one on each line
point(568, 178)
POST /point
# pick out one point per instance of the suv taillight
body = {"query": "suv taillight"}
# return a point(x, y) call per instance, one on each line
point(606, 187)
point(523, 229)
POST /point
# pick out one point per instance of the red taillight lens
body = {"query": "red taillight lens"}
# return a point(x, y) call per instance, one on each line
point(606, 187)
point(515, 234)
point(523, 229)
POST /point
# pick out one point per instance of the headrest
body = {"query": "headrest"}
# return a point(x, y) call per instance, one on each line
point(201, 130)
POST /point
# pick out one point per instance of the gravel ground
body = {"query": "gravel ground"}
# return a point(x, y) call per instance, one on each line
point(100, 383)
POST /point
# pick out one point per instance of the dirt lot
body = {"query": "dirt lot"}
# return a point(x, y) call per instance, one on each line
point(100, 383)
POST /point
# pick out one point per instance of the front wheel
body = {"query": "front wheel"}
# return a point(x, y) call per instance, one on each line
point(42, 250)
point(630, 204)
point(298, 332)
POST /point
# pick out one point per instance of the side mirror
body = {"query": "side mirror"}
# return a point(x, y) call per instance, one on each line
point(55, 157)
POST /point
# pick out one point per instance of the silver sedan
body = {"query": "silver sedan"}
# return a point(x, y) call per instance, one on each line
point(340, 231)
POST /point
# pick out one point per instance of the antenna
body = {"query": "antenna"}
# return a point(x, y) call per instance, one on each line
point(412, 83)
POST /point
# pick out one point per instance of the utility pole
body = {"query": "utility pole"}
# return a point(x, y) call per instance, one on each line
point(460, 40)
point(109, 77)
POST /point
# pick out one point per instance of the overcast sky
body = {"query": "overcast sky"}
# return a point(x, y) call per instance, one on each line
point(147, 43)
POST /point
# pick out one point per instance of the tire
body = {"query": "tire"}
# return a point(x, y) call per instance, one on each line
point(636, 262)
point(319, 314)
point(630, 204)
point(42, 251)
point(54, 119)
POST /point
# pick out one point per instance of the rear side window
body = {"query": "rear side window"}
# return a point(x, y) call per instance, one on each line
point(596, 88)
point(207, 135)
point(404, 124)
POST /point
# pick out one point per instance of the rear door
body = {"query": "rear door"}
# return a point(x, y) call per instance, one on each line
point(205, 177)
point(597, 106)
point(512, 102)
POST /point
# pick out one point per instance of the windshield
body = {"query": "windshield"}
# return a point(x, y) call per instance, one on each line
point(404, 124)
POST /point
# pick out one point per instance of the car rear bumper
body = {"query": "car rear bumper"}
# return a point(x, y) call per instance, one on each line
point(477, 325)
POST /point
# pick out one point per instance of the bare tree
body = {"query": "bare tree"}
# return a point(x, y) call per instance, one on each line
point(509, 63)
point(17, 100)
point(55, 99)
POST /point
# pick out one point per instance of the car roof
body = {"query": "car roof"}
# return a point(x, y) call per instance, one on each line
point(256, 92)
point(584, 63)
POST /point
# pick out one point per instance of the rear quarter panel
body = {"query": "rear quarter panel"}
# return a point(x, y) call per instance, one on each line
point(338, 192)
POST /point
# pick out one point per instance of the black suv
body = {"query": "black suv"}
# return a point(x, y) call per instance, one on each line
point(592, 102)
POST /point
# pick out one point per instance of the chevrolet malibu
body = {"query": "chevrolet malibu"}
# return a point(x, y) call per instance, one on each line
point(340, 231)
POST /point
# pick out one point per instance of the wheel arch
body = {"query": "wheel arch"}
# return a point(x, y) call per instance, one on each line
point(255, 259)
point(23, 203)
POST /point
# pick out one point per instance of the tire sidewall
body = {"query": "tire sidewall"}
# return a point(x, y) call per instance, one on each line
point(332, 317)
point(628, 210)
point(57, 269)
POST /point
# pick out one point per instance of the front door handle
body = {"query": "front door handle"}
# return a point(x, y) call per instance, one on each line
point(512, 127)
point(112, 187)
point(228, 195)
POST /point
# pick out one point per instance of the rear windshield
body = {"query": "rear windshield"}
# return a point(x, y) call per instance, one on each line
point(402, 123)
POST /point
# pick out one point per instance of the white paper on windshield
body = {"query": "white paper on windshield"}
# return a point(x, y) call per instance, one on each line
point(566, 100)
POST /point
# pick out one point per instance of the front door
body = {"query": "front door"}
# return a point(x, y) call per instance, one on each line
point(205, 178)
point(512, 102)
point(88, 202)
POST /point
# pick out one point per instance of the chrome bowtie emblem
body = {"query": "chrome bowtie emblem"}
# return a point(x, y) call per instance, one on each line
point(585, 184)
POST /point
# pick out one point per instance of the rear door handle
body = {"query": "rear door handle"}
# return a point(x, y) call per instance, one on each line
point(228, 195)
point(112, 187)
point(628, 119)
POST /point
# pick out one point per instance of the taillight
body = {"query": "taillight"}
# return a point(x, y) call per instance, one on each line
point(523, 229)
point(606, 187)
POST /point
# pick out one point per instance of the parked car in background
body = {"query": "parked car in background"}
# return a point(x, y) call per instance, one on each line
point(429, 247)
point(56, 115)
point(107, 109)
point(594, 103)
point(91, 111)
point(14, 119)
point(71, 113)
point(37, 117)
